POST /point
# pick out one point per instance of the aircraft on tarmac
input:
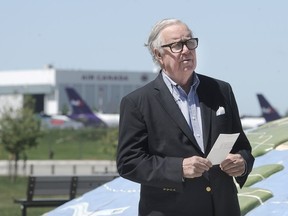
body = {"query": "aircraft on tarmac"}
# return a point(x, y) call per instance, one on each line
point(58, 122)
point(250, 122)
point(83, 113)
point(268, 112)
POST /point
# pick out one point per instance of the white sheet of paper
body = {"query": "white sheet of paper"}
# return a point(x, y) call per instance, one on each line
point(222, 147)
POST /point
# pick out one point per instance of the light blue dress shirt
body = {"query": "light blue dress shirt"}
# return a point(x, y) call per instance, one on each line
point(188, 104)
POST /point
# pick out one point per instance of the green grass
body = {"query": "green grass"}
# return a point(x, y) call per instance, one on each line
point(9, 191)
point(83, 144)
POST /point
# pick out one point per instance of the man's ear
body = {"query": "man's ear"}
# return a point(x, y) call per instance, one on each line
point(157, 55)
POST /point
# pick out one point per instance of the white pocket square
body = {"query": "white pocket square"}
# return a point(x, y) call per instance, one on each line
point(220, 111)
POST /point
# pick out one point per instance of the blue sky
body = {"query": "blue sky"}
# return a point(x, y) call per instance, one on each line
point(243, 42)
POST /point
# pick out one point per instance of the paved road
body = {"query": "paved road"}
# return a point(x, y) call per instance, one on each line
point(58, 167)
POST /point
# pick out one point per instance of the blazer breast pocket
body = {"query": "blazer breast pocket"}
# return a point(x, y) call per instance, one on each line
point(220, 111)
point(222, 122)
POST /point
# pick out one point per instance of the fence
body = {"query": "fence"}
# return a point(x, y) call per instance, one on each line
point(58, 167)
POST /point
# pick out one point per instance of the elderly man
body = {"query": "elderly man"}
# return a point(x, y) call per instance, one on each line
point(168, 127)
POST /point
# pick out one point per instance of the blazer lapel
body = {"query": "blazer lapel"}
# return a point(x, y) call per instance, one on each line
point(168, 103)
point(206, 124)
point(205, 112)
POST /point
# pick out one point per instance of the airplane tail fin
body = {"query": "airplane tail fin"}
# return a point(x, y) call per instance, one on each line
point(268, 111)
point(78, 105)
point(80, 110)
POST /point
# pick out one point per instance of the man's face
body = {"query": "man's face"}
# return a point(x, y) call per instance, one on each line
point(177, 65)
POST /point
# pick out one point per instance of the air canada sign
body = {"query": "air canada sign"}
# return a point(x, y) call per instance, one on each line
point(90, 77)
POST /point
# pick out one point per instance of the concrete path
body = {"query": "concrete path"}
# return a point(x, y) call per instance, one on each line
point(58, 167)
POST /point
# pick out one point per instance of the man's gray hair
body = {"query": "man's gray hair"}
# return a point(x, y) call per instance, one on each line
point(155, 39)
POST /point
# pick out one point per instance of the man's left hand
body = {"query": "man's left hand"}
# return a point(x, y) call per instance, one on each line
point(233, 165)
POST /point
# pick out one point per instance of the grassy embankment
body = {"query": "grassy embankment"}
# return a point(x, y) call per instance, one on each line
point(84, 144)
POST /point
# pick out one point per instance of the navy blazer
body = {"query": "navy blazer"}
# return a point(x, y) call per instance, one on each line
point(154, 137)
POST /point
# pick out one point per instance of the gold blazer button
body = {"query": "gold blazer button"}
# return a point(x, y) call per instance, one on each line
point(208, 189)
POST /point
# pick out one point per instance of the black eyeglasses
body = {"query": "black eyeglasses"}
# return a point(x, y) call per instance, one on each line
point(177, 47)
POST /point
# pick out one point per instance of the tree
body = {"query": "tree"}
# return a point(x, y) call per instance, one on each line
point(65, 109)
point(19, 131)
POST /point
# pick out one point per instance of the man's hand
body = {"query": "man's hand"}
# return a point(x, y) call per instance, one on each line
point(234, 165)
point(195, 166)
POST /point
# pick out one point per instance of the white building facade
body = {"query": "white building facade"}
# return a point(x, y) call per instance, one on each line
point(102, 90)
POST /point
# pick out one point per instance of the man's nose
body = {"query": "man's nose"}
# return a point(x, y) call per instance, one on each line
point(185, 48)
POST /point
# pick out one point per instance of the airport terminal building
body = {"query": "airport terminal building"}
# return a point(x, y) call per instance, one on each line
point(102, 90)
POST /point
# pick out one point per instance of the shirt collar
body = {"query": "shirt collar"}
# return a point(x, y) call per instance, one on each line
point(195, 80)
point(170, 83)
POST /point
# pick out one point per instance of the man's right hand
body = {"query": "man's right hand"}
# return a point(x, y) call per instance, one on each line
point(195, 166)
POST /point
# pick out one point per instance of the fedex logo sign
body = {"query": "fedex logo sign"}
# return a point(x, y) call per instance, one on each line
point(76, 102)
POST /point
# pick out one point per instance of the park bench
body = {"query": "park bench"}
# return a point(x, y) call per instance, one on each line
point(53, 191)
